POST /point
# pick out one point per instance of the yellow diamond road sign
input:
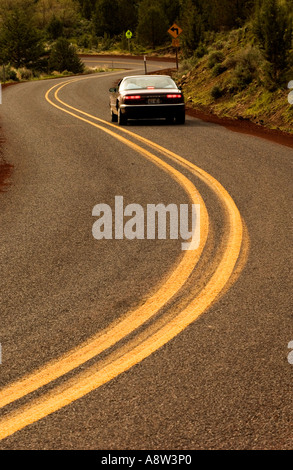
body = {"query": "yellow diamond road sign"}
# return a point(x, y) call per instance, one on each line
point(175, 31)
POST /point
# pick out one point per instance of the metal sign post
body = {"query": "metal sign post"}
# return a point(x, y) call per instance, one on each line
point(128, 34)
point(175, 31)
point(176, 44)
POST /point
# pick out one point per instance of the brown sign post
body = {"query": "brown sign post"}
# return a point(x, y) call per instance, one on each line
point(175, 31)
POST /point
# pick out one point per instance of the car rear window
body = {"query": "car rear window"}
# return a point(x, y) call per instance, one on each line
point(139, 83)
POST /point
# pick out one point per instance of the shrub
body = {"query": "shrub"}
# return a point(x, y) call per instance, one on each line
point(215, 57)
point(218, 45)
point(89, 70)
point(64, 57)
point(241, 77)
point(218, 70)
point(106, 43)
point(13, 75)
point(217, 92)
point(123, 42)
point(186, 65)
point(25, 74)
point(247, 65)
point(85, 41)
point(95, 42)
point(201, 51)
point(7, 73)
point(251, 58)
point(41, 65)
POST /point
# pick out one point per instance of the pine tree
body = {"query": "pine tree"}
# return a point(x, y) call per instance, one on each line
point(273, 29)
point(152, 23)
point(21, 44)
point(171, 9)
point(55, 28)
point(64, 57)
point(192, 26)
point(88, 8)
point(104, 21)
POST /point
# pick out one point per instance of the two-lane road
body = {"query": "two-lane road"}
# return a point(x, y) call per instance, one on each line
point(136, 344)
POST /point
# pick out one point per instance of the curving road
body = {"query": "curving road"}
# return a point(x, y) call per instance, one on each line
point(136, 344)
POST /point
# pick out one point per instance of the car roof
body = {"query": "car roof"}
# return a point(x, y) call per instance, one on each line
point(143, 76)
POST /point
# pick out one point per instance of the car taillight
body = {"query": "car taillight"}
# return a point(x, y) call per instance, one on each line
point(132, 97)
point(174, 96)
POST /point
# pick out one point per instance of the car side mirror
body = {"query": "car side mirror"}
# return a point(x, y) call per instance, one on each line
point(113, 90)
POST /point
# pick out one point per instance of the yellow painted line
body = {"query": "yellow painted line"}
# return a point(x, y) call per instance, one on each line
point(132, 320)
point(214, 185)
point(92, 378)
point(227, 202)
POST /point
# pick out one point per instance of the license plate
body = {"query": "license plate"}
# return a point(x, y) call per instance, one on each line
point(154, 101)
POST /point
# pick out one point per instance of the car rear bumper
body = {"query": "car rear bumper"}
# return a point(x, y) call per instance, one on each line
point(152, 111)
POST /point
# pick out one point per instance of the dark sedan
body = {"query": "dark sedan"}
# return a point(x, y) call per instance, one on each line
point(147, 97)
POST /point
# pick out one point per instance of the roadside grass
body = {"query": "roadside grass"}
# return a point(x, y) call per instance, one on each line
point(13, 75)
point(123, 47)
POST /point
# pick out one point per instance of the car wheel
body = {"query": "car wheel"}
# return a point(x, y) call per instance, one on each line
point(114, 117)
point(122, 120)
point(180, 118)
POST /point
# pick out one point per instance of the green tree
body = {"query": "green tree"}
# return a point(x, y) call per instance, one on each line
point(21, 44)
point(63, 56)
point(273, 30)
point(104, 21)
point(88, 7)
point(55, 28)
point(152, 23)
point(171, 9)
point(193, 28)
point(128, 14)
point(224, 14)
point(66, 11)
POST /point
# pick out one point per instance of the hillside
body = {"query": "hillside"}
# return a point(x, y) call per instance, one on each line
point(229, 81)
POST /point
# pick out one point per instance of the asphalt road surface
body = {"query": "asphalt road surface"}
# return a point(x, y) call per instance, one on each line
point(137, 344)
